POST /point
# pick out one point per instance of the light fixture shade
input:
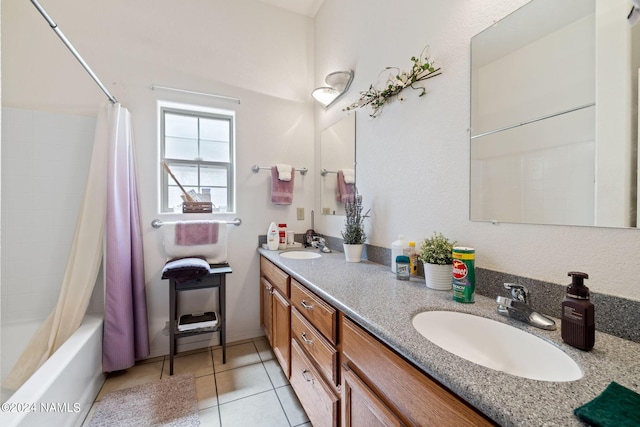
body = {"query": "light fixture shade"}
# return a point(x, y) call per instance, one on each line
point(325, 95)
point(338, 83)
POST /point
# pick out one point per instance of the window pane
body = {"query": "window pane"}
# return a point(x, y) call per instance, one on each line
point(181, 148)
point(213, 176)
point(174, 197)
point(214, 151)
point(180, 126)
point(214, 129)
point(219, 198)
point(186, 174)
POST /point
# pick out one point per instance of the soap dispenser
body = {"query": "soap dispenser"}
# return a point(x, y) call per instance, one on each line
point(578, 317)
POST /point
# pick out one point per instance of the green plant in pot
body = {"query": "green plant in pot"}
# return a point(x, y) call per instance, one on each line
point(353, 234)
point(436, 253)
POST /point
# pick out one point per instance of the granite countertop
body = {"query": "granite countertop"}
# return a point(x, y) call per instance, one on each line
point(369, 294)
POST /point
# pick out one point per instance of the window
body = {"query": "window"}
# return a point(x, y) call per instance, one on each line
point(198, 146)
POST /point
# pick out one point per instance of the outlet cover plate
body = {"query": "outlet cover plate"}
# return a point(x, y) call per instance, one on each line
point(300, 214)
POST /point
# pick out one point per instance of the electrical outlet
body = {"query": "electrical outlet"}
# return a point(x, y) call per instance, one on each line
point(326, 211)
point(300, 214)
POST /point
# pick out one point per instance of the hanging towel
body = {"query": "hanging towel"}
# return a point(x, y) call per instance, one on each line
point(215, 253)
point(281, 191)
point(284, 172)
point(190, 233)
point(344, 191)
point(349, 176)
point(617, 406)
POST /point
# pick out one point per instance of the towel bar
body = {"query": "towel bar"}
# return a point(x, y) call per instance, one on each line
point(156, 223)
point(256, 169)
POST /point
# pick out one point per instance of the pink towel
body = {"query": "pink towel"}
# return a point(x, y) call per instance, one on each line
point(344, 191)
point(281, 191)
point(190, 233)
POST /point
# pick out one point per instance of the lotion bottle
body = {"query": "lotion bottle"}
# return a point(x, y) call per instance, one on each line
point(578, 314)
point(273, 237)
point(397, 249)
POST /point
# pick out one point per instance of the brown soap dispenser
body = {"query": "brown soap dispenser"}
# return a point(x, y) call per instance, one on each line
point(578, 317)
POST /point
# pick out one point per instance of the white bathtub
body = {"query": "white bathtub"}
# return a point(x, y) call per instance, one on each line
point(62, 391)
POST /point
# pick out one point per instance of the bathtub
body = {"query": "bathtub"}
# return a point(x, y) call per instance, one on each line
point(62, 391)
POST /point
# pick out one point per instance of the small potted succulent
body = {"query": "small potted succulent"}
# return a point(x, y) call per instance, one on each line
point(353, 234)
point(436, 253)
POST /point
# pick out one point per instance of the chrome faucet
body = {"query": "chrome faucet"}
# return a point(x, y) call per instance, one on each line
point(517, 307)
point(320, 243)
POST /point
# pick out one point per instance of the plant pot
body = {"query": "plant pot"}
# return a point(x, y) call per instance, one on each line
point(353, 253)
point(438, 277)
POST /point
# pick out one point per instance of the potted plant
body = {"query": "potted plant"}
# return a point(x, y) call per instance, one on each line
point(436, 253)
point(353, 233)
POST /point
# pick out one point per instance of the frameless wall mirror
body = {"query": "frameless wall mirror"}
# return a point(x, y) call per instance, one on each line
point(554, 116)
point(337, 154)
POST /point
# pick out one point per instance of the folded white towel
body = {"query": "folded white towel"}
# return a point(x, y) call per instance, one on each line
point(284, 172)
point(349, 176)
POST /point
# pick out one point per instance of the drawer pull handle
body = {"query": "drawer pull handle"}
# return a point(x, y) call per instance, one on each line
point(305, 339)
point(309, 380)
point(305, 305)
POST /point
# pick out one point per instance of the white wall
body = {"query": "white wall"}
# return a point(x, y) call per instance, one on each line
point(240, 48)
point(413, 160)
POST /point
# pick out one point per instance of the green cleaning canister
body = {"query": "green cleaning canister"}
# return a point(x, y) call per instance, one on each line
point(464, 274)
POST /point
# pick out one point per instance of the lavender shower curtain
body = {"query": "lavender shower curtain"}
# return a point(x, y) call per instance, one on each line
point(126, 336)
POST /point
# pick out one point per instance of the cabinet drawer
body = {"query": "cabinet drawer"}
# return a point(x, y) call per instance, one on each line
point(275, 276)
point(318, 400)
point(320, 314)
point(318, 348)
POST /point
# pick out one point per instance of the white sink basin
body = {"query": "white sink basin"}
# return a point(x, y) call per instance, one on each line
point(496, 345)
point(300, 255)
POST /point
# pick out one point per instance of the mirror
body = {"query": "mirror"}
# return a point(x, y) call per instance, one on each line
point(554, 115)
point(337, 153)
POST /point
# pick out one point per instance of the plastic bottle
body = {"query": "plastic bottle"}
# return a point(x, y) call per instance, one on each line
point(397, 249)
point(577, 319)
point(402, 267)
point(273, 239)
point(282, 236)
point(410, 251)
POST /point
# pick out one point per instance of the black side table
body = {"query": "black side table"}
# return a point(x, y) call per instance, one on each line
point(215, 279)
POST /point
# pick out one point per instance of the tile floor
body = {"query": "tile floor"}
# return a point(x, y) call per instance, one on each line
point(249, 390)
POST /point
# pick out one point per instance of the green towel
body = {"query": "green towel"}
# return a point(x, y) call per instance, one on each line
point(617, 406)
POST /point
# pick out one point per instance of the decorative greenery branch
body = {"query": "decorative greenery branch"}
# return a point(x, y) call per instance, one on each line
point(375, 98)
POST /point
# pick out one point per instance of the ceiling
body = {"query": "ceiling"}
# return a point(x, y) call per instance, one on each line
point(303, 7)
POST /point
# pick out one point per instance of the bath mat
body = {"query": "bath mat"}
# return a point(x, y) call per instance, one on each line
point(169, 402)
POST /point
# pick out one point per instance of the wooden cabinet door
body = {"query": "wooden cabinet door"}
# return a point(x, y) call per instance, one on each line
point(413, 397)
point(316, 396)
point(361, 407)
point(266, 318)
point(281, 331)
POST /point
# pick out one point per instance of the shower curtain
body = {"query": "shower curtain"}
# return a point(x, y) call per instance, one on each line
point(126, 334)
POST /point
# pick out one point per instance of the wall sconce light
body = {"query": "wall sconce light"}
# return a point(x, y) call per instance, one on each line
point(338, 84)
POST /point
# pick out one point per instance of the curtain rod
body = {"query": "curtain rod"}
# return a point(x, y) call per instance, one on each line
point(75, 53)
point(213, 95)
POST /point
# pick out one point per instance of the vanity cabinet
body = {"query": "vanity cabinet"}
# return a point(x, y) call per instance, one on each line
point(275, 312)
point(341, 374)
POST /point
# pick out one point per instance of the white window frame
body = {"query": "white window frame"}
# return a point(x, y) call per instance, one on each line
point(198, 111)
